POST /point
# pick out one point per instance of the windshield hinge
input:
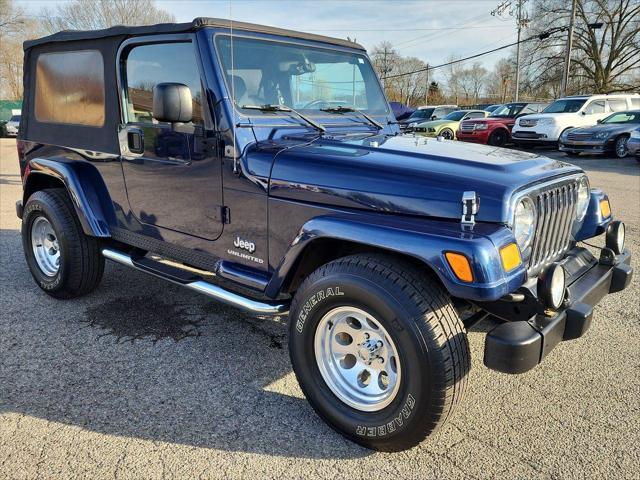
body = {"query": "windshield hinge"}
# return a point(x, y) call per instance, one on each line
point(222, 214)
point(470, 207)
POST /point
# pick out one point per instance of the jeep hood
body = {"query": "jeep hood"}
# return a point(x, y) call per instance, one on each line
point(406, 175)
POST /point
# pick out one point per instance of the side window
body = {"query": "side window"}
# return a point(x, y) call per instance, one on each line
point(148, 65)
point(474, 115)
point(635, 103)
point(597, 106)
point(617, 104)
point(70, 88)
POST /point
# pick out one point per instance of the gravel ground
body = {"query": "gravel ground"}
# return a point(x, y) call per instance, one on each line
point(141, 379)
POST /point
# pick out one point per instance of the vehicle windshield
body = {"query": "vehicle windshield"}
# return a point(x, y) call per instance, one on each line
point(456, 115)
point(623, 117)
point(565, 106)
point(422, 113)
point(308, 79)
point(507, 111)
point(15, 118)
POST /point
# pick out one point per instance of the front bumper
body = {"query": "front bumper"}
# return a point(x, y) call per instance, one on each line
point(516, 347)
point(476, 136)
point(594, 146)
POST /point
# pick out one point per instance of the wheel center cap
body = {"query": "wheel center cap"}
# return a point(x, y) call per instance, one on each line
point(368, 350)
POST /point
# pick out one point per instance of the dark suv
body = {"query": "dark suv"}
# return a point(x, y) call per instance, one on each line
point(263, 168)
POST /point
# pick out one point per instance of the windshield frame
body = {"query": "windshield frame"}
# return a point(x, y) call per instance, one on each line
point(300, 42)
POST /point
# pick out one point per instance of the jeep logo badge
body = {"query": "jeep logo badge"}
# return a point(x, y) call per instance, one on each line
point(248, 246)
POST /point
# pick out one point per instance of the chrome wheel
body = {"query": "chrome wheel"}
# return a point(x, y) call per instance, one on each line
point(357, 359)
point(621, 147)
point(45, 246)
point(447, 134)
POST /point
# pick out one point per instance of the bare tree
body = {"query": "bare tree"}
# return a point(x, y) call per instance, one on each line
point(472, 81)
point(500, 81)
point(97, 14)
point(409, 89)
point(11, 18)
point(453, 76)
point(603, 60)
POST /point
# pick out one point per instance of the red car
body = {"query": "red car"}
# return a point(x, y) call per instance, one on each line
point(496, 129)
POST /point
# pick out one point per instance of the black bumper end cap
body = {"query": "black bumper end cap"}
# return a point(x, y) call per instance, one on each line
point(621, 278)
point(578, 321)
point(513, 347)
point(19, 209)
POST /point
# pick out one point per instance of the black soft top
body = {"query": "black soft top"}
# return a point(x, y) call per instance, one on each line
point(196, 24)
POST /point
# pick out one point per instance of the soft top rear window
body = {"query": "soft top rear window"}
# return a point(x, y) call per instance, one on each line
point(70, 88)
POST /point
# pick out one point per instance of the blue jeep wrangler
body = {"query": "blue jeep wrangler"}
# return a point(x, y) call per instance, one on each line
point(263, 168)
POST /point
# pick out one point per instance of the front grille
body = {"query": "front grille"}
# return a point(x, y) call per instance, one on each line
point(579, 136)
point(467, 127)
point(528, 122)
point(556, 209)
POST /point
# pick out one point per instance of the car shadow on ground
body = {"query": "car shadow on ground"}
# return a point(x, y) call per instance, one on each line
point(145, 359)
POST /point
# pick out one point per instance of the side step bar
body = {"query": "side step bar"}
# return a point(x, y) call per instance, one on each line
point(212, 291)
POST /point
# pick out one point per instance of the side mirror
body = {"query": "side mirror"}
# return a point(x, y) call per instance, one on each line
point(172, 102)
point(599, 121)
point(584, 113)
point(434, 117)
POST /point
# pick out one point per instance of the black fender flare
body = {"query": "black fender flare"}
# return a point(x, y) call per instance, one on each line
point(424, 240)
point(86, 189)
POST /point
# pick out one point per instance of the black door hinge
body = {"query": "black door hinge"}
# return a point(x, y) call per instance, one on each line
point(223, 214)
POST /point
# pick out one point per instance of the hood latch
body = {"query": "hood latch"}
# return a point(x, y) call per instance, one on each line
point(470, 207)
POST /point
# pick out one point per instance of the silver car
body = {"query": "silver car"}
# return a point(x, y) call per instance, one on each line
point(12, 126)
point(610, 135)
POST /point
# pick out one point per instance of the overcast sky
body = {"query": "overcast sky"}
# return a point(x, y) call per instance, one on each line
point(428, 29)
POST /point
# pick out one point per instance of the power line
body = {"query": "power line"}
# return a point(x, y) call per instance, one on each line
point(540, 36)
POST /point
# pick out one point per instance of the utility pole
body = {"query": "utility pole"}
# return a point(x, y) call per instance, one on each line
point(567, 53)
point(514, 7)
point(426, 92)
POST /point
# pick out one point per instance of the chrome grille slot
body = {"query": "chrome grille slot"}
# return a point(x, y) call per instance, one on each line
point(556, 210)
point(467, 126)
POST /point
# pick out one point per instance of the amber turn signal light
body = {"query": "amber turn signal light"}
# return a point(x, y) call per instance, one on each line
point(510, 256)
point(605, 208)
point(460, 265)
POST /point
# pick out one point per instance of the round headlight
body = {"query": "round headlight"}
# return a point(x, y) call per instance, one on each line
point(551, 286)
point(524, 223)
point(583, 198)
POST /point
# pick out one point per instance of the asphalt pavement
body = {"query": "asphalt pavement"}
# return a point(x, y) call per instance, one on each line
point(142, 379)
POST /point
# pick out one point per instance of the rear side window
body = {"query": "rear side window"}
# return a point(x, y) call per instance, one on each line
point(617, 105)
point(148, 65)
point(475, 115)
point(597, 106)
point(70, 88)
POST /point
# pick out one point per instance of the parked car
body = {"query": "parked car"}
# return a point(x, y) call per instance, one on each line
point(607, 136)
point(382, 248)
point(423, 114)
point(12, 126)
point(569, 112)
point(400, 110)
point(634, 143)
point(496, 129)
point(447, 127)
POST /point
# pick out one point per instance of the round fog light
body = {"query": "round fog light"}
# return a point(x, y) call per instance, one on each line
point(551, 286)
point(615, 237)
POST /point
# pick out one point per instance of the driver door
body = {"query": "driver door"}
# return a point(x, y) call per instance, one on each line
point(173, 182)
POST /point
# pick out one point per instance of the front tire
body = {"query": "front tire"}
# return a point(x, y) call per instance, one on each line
point(498, 138)
point(620, 147)
point(447, 134)
point(63, 261)
point(371, 313)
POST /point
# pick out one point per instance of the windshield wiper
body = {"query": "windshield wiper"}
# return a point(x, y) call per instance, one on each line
point(343, 109)
point(284, 108)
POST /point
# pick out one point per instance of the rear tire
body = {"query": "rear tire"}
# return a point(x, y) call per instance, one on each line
point(416, 321)
point(63, 261)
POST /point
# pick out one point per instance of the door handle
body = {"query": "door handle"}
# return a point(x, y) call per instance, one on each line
point(135, 140)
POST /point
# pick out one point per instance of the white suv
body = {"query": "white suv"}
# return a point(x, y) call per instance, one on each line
point(569, 112)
